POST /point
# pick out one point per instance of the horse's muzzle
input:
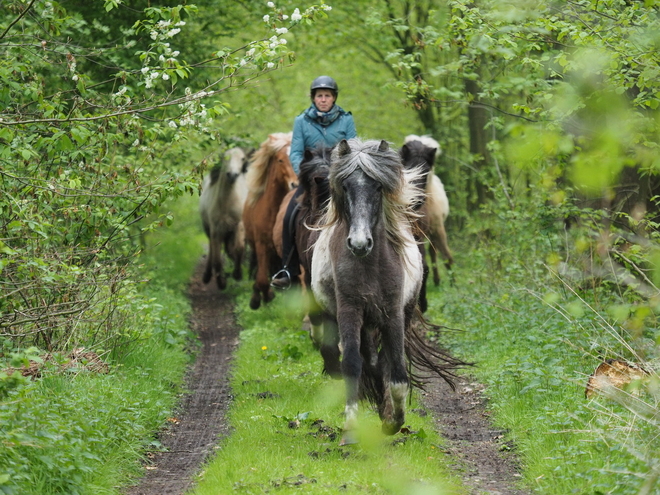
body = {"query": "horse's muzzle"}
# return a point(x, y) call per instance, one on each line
point(360, 248)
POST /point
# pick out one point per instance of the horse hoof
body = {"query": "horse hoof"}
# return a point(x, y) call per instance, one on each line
point(348, 438)
point(255, 302)
point(222, 283)
point(391, 427)
point(207, 277)
point(270, 295)
point(238, 275)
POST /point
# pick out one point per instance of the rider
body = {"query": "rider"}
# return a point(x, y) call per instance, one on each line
point(323, 122)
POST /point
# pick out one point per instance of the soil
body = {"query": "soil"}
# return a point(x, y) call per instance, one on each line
point(484, 460)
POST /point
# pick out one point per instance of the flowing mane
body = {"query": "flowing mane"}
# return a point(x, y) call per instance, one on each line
point(385, 168)
point(426, 141)
point(258, 170)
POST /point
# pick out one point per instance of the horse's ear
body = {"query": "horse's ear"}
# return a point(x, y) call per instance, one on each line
point(430, 155)
point(383, 146)
point(405, 152)
point(343, 148)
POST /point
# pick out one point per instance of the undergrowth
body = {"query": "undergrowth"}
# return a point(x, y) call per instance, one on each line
point(78, 431)
point(536, 337)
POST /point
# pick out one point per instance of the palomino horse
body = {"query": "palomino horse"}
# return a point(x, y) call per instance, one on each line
point(313, 178)
point(435, 212)
point(366, 275)
point(221, 206)
point(270, 177)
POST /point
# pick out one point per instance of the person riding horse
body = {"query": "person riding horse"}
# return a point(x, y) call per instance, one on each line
point(323, 122)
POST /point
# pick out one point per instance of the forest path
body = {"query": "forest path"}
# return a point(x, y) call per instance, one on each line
point(483, 460)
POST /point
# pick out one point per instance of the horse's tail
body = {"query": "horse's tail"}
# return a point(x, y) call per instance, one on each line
point(425, 358)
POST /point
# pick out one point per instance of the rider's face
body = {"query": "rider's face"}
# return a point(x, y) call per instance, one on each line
point(324, 99)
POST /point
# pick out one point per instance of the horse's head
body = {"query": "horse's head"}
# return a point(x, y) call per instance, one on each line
point(362, 173)
point(417, 155)
point(313, 176)
point(235, 163)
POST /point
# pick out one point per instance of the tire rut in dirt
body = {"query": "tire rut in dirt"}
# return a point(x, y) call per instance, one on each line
point(200, 422)
point(483, 459)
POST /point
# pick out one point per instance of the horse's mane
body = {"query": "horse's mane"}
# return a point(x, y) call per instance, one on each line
point(426, 140)
point(258, 169)
point(385, 167)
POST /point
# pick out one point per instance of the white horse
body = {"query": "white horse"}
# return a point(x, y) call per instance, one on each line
point(224, 191)
point(435, 210)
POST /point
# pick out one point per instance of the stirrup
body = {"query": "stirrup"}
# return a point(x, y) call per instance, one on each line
point(279, 276)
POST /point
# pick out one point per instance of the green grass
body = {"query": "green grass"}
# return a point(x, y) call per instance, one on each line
point(277, 379)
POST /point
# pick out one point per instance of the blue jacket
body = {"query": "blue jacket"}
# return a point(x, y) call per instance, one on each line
point(312, 127)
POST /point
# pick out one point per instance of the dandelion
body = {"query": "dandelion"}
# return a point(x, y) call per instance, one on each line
point(296, 15)
point(263, 348)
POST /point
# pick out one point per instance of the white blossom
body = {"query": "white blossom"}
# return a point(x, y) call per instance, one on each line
point(166, 77)
point(172, 124)
point(266, 18)
point(284, 17)
point(162, 58)
point(175, 53)
point(282, 41)
point(153, 35)
point(153, 75)
point(180, 23)
point(296, 15)
point(144, 70)
point(270, 65)
point(172, 32)
point(163, 24)
point(250, 52)
point(271, 5)
point(282, 30)
point(136, 143)
point(75, 77)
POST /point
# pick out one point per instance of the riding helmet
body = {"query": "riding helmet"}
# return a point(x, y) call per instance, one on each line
point(324, 82)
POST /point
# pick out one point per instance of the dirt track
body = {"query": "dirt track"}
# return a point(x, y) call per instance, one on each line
point(485, 463)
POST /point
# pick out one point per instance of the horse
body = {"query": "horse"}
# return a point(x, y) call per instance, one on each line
point(224, 191)
point(270, 177)
point(435, 212)
point(416, 155)
point(313, 178)
point(366, 277)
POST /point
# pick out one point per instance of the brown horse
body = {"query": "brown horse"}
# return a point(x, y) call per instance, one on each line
point(270, 178)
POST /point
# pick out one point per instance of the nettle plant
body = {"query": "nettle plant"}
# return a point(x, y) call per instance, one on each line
point(95, 113)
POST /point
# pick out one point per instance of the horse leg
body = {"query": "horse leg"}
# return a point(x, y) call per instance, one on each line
point(330, 346)
point(423, 302)
point(261, 284)
point(315, 319)
point(234, 250)
point(350, 323)
point(395, 377)
point(434, 263)
point(208, 271)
